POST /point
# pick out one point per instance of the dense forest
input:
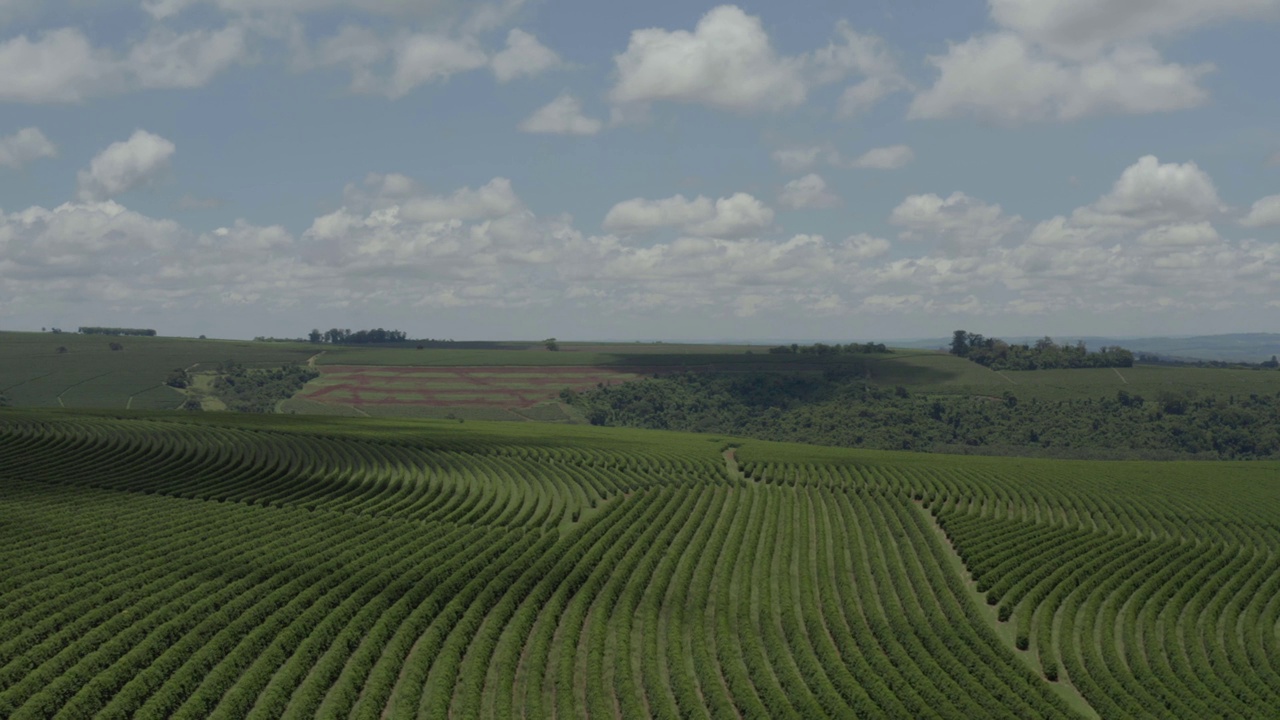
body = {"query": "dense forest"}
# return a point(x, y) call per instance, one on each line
point(258, 390)
point(1045, 354)
point(840, 409)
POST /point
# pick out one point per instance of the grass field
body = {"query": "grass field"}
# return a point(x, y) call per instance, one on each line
point(210, 565)
point(90, 375)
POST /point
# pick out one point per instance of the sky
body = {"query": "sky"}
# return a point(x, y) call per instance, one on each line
point(579, 169)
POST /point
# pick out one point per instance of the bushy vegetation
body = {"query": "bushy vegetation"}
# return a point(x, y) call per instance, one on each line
point(262, 567)
point(338, 336)
point(244, 389)
point(1045, 354)
point(137, 332)
point(840, 408)
point(825, 349)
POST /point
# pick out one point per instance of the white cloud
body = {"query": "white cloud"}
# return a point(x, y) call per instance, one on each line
point(1002, 77)
point(495, 198)
point(1180, 235)
point(959, 218)
point(864, 247)
point(639, 215)
point(734, 216)
point(808, 192)
point(123, 166)
point(399, 248)
point(728, 62)
point(1264, 213)
point(24, 146)
point(796, 159)
point(562, 116)
point(63, 66)
point(1081, 28)
point(426, 57)
point(1149, 193)
point(524, 56)
point(885, 158)
point(862, 55)
point(169, 60)
point(59, 66)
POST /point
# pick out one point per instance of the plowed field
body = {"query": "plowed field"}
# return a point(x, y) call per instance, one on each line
point(449, 387)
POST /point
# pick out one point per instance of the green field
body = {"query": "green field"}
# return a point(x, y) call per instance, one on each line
point(90, 375)
point(211, 565)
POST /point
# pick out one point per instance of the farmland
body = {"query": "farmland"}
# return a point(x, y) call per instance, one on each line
point(88, 374)
point(208, 565)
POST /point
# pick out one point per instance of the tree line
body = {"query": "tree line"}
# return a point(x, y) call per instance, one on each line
point(1044, 354)
point(339, 336)
point(839, 408)
point(825, 349)
point(139, 332)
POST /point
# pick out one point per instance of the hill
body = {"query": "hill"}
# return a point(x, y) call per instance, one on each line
point(237, 566)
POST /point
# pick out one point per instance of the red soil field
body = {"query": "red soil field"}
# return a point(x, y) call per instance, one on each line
point(495, 387)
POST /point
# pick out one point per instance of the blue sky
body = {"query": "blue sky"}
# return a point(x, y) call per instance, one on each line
point(577, 169)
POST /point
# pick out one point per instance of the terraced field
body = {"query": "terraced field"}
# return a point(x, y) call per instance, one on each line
point(233, 566)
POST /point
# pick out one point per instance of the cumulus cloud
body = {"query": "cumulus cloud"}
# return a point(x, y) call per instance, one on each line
point(123, 166)
point(808, 192)
point(735, 216)
point(63, 66)
point(958, 218)
point(58, 66)
point(495, 198)
point(1081, 28)
point(1264, 213)
point(24, 146)
point(1150, 192)
point(562, 116)
point(395, 244)
point(1067, 59)
point(1003, 77)
point(524, 56)
point(885, 158)
point(728, 62)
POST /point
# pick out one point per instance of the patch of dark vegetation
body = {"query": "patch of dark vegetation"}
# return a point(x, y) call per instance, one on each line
point(839, 408)
point(243, 389)
point(1045, 354)
point(137, 332)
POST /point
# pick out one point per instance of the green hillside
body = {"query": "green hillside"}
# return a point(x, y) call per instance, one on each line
point(87, 373)
point(211, 565)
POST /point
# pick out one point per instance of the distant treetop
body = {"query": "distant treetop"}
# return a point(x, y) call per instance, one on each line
point(1044, 354)
point(142, 332)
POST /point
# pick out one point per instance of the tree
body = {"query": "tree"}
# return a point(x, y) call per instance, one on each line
point(315, 335)
point(960, 343)
point(116, 347)
point(551, 344)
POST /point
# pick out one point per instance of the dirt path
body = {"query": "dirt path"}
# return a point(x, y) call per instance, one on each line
point(731, 463)
point(1117, 371)
point(1063, 687)
point(311, 361)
